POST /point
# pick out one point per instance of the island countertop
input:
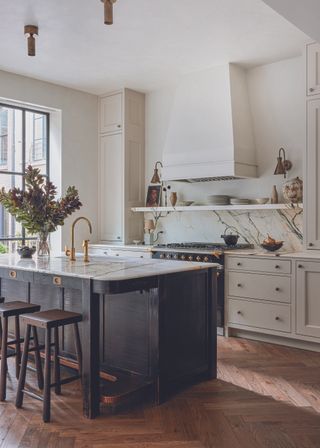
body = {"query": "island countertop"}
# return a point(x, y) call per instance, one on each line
point(102, 268)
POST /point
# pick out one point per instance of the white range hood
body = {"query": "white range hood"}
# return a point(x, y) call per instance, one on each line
point(210, 133)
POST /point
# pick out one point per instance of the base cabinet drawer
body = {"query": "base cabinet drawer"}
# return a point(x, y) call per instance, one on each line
point(259, 286)
point(272, 266)
point(259, 315)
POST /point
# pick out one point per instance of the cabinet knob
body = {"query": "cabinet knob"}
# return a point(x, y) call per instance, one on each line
point(310, 244)
point(300, 266)
point(119, 126)
point(277, 266)
point(119, 237)
point(239, 312)
point(311, 89)
point(239, 264)
point(277, 318)
point(239, 285)
point(277, 289)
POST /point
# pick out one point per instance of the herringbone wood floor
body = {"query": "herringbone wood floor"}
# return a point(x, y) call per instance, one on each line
point(266, 396)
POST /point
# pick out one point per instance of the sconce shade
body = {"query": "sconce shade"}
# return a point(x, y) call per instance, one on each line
point(156, 177)
point(282, 165)
point(149, 225)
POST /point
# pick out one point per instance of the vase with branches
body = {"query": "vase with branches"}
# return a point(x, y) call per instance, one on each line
point(36, 207)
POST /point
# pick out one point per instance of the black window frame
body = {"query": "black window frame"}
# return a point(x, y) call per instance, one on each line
point(24, 109)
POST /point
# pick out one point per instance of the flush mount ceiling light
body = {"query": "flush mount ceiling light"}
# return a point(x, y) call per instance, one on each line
point(282, 165)
point(31, 30)
point(108, 11)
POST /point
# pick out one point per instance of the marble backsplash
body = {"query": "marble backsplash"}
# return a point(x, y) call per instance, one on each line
point(252, 226)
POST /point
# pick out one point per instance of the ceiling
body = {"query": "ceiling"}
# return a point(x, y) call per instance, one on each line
point(151, 44)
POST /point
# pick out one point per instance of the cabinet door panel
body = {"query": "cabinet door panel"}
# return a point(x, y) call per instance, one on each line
point(307, 298)
point(111, 188)
point(313, 69)
point(312, 190)
point(111, 113)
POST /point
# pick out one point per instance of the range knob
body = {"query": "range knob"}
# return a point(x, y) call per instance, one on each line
point(190, 258)
point(198, 258)
point(161, 255)
point(206, 259)
point(168, 256)
point(176, 257)
point(183, 257)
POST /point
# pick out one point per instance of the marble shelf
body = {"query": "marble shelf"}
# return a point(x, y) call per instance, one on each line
point(201, 208)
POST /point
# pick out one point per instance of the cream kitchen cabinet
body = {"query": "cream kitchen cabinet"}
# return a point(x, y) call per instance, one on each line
point(111, 113)
point(308, 301)
point(121, 176)
point(313, 69)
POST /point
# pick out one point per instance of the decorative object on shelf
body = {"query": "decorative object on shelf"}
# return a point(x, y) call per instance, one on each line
point(185, 203)
point(283, 166)
point(260, 201)
point(274, 195)
point(31, 31)
point(271, 244)
point(230, 240)
point(153, 196)
point(293, 190)
point(218, 199)
point(26, 251)
point(149, 228)
point(156, 176)
point(173, 198)
point(166, 190)
point(37, 209)
point(108, 11)
point(239, 201)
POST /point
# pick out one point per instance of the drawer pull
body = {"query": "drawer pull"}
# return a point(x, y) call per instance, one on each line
point(277, 266)
point(277, 318)
point(277, 289)
point(12, 274)
point(239, 285)
point(239, 264)
point(311, 89)
point(300, 266)
point(239, 312)
point(57, 281)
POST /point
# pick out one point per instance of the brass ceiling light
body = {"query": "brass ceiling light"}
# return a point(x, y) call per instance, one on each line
point(31, 30)
point(108, 11)
point(156, 178)
point(282, 165)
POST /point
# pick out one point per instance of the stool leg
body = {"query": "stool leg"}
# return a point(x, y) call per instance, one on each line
point(78, 348)
point(0, 331)
point(18, 346)
point(3, 367)
point(23, 370)
point(37, 358)
point(57, 387)
point(47, 377)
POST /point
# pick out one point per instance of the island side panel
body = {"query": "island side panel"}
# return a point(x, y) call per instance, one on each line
point(187, 330)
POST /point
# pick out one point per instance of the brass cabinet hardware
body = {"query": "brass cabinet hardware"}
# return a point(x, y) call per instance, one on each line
point(12, 274)
point(57, 281)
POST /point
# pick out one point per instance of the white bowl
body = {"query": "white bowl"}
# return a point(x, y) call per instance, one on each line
point(260, 200)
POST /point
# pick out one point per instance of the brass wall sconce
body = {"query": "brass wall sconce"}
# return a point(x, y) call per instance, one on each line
point(156, 177)
point(283, 166)
point(31, 31)
point(108, 11)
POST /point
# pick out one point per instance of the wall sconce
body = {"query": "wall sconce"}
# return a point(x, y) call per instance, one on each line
point(156, 178)
point(282, 165)
point(31, 30)
point(108, 11)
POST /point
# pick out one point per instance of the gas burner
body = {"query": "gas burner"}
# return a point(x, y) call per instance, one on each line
point(202, 246)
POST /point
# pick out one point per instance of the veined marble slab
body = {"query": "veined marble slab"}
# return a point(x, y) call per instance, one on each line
point(103, 268)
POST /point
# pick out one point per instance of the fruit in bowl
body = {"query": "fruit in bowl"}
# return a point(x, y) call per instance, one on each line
point(271, 244)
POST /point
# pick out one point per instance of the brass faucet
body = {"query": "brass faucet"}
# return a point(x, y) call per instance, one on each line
point(71, 253)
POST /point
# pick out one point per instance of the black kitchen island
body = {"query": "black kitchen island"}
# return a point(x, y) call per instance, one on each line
point(148, 325)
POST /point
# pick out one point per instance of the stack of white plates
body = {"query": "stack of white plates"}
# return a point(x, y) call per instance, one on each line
point(237, 201)
point(218, 199)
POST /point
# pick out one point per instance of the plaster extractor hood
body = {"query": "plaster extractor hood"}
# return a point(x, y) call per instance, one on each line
point(210, 134)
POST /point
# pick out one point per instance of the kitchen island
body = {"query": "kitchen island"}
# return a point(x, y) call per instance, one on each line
point(147, 324)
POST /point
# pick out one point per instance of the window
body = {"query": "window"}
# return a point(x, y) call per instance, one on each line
point(24, 140)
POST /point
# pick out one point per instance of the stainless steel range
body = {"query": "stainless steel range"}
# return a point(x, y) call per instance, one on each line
point(201, 252)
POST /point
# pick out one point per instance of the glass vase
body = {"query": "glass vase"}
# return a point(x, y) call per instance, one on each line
point(43, 245)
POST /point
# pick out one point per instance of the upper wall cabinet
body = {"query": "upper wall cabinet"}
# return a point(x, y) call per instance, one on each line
point(111, 113)
point(313, 69)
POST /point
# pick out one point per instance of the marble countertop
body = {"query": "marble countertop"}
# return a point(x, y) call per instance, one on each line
point(133, 247)
point(102, 268)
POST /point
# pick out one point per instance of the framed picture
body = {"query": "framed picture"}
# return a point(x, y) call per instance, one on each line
point(153, 196)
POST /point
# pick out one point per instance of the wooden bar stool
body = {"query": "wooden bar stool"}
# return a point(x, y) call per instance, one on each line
point(48, 320)
point(15, 309)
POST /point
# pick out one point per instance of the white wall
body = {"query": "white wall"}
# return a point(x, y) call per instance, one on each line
point(74, 131)
point(277, 105)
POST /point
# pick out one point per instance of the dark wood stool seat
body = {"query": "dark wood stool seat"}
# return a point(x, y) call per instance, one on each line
point(15, 309)
point(48, 320)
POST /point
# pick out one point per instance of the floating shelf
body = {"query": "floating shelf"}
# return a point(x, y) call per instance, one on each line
point(203, 208)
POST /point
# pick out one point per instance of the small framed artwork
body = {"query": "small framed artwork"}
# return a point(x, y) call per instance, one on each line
point(153, 196)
